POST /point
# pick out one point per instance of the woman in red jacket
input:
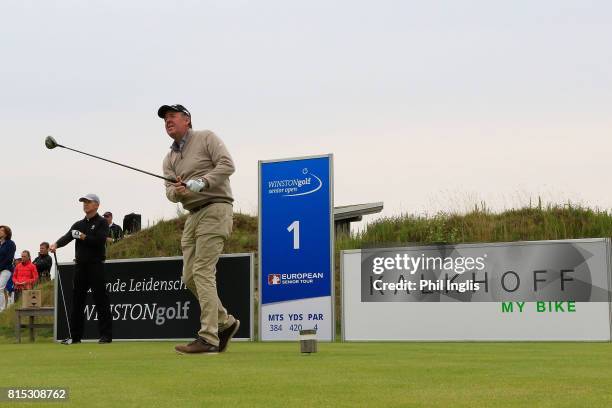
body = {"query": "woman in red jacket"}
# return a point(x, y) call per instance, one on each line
point(25, 275)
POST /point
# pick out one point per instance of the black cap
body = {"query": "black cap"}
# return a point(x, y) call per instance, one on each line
point(161, 112)
point(108, 213)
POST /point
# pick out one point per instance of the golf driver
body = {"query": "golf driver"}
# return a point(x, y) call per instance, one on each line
point(51, 143)
point(59, 281)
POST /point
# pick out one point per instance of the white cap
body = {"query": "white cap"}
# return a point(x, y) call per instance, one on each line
point(90, 197)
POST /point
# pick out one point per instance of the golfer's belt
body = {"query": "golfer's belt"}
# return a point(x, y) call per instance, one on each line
point(201, 207)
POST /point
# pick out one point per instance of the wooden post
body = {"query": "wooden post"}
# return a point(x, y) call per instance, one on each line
point(31, 326)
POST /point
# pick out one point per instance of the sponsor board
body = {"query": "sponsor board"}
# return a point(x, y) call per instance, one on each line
point(150, 302)
point(538, 290)
point(296, 247)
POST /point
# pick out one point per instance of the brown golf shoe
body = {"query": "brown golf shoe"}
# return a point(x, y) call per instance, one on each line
point(226, 335)
point(198, 346)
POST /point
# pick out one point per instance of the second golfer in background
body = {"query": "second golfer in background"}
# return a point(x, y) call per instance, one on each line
point(201, 161)
point(90, 235)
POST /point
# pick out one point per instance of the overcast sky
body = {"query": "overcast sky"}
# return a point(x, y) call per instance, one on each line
point(426, 105)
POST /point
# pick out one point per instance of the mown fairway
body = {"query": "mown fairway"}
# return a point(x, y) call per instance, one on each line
point(340, 375)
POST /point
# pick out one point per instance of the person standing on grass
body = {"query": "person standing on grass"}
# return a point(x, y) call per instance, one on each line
point(115, 233)
point(201, 158)
point(25, 275)
point(7, 253)
point(43, 262)
point(90, 235)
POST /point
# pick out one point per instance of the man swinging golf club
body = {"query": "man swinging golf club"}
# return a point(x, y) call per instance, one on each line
point(201, 164)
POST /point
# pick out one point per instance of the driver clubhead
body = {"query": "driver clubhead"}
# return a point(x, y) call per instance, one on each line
point(50, 142)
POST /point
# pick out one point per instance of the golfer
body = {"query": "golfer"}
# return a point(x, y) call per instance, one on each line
point(90, 252)
point(202, 162)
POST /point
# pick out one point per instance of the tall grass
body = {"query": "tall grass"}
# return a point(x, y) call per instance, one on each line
point(482, 225)
point(164, 239)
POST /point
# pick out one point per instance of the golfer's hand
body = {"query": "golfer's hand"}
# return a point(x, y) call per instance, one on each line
point(179, 187)
point(53, 247)
point(196, 185)
point(82, 236)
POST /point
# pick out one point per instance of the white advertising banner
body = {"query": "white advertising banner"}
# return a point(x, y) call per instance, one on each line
point(539, 290)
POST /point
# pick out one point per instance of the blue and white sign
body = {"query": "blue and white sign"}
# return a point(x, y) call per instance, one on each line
point(296, 243)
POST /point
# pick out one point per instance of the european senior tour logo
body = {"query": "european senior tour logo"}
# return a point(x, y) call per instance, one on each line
point(306, 183)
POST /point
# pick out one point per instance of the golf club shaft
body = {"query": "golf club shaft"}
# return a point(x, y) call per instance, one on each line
point(59, 280)
point(120, 164)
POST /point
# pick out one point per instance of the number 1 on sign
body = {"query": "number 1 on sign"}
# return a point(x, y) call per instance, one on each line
point(295, 227)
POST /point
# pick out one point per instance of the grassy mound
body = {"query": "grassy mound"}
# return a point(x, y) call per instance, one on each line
point(164, 239)
point(481, 225)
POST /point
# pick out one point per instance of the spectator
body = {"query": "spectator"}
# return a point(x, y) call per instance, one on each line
point(43, 262)
point(7, 252)
point(12, 292)
point(115, 233)
point(25, 275)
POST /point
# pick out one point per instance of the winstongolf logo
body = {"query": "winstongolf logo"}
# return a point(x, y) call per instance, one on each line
point(294, 278)
point(146, 311)
point(306, 183)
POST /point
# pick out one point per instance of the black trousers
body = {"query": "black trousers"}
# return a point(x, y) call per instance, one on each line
point(86, 276)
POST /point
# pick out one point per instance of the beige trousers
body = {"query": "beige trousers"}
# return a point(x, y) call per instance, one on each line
point(203, 238)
